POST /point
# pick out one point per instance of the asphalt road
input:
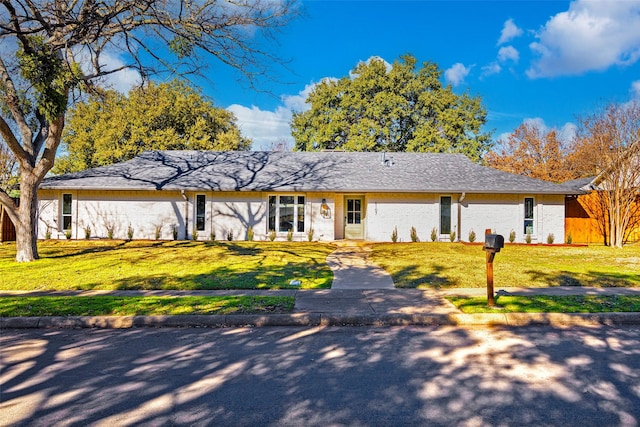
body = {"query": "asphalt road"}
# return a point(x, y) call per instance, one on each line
point(352, 376)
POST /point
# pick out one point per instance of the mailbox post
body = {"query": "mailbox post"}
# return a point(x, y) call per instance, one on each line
point(492, 244)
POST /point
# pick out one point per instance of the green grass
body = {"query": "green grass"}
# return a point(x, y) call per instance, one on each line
point(138, 306)
point(426, 265)
point(550, 304)
point(184, 265)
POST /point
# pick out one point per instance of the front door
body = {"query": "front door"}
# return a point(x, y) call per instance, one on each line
point(354, 218)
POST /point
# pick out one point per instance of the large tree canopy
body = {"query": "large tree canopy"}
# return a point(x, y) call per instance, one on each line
point(167, 116)
point(396, 108)
point(51, 49)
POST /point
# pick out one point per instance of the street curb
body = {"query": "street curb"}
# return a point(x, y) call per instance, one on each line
point(319, 319)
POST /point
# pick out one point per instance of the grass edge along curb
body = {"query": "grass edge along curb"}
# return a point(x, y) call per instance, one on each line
point(549, 304)
point(107, 305)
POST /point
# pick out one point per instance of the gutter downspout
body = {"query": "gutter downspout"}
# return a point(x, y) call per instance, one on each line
point(460, 199)
point(186, 214)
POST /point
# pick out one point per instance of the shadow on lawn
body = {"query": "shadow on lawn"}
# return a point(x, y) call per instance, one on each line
point(223, 278)
point(409, 277)
point(591, 279)
point(236, 249)
point(65, 252)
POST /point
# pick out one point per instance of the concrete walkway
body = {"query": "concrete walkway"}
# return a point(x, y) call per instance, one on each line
point(352, 268)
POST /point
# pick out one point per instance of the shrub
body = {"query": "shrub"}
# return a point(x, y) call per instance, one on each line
point(194, 234)
point(212, 236)
point(129, 232)
point(230, 235)
point(452, 236)
point(158, 232)
point(472, 236)
point(550, 238)
point(67, 234)
point(434, 234)
point(310, 235)
point(272, 235)
point(47, 234)
point(512, 236)
point(289, 235)
point(174, 232)
point(527, 238)
point(87, 232)
point(569, 239)
point(250, 234)
point(394, 235)
point(110, 229)
point(414, 234)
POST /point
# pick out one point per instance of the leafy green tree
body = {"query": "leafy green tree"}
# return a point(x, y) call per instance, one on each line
point(53, 49)
point(396, 108)
point(167, 116)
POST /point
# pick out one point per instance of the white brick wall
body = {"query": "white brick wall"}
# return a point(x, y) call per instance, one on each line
point(236, 211)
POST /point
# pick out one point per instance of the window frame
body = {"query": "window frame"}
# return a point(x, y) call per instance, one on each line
point(200, 216)
point(531, 219)
point(66, 215)
point(297, 212)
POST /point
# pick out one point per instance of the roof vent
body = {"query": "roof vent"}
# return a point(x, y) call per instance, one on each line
point(386, 161)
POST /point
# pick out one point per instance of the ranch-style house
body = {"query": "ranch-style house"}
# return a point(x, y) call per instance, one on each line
point(337, 195)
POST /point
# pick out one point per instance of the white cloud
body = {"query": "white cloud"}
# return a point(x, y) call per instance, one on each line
point(590, 36)
point(509, 32)
point(122, 80)
point(266, 127)
point(298, 102)
point(490, 69)
point(508, 53)
point(263, 127)
point(564, 133)
point(635, 90)
point(456, 74)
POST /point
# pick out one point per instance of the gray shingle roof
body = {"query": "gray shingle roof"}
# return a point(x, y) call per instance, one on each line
point(301, 171)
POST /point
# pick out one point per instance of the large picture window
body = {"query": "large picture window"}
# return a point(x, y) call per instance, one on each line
point(445, 215)
point(67, 215)
point(286, 213)
point(200, 212)
point(528, 215)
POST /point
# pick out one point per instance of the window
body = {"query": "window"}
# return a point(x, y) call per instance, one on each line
point(445, 215)
point(286, 213)
point(528, 215)
point(354, 211)
point(66, 211)
point(200, 212)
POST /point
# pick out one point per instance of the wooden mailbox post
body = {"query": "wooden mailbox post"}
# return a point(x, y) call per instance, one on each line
point(492, 244)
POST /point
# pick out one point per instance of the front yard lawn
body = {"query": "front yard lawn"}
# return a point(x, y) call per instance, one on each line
point(181, 265)
point(142, 306)
point(427, 265)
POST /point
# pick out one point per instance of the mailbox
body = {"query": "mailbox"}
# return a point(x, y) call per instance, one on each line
point(493, 242)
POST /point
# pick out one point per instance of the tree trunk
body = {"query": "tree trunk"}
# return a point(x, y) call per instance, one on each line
point(26, 227)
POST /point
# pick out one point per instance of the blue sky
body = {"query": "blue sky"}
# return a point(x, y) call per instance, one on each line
point(548, 61)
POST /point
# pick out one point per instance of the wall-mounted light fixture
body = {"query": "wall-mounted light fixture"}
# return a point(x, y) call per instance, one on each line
point(325, 211)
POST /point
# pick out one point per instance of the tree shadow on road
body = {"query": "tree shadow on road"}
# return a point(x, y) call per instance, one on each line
point(322, 376)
